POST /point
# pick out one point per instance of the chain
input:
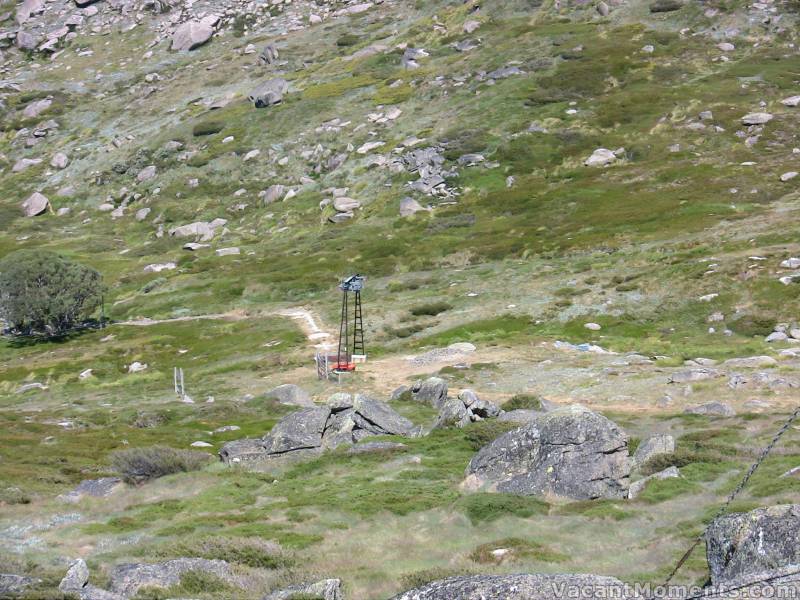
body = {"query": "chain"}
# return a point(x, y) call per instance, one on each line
point(753, 468)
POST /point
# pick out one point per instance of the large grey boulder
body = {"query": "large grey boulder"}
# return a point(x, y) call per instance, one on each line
point(570, 452)
point(76, 583)
point(192, 34)
point(290, 394)
point(326, 589)
point(521, 587)
point(432, 391)
point(653, 446)
point(269, 93)
point(300, 430)
point(452, 414)
point(128, 579)
point(742, 545)
point(243, 451)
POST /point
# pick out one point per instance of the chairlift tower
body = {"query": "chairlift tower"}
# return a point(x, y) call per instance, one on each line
point(351, 342)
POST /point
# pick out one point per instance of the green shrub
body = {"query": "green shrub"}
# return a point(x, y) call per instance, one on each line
point(138, 465)
point(519, 550)
point(43, 292)
point(431, 309)
point(486, 507)
point(660, 6)
point(523, 402)
point(752, 325)
point(347, 39)
point(250, 552)
point(207, 128)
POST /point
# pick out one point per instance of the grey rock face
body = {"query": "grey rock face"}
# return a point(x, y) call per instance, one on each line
point(520, 416)
point(127, 579)
point(570, 452)
point(519, 587)
point(327, 589)
point(690, 375)
point(452, 414)
point(658, 444)
point(299, 430)
point(432, 391)
point(715, 409)
point(269, 93)
point(242, 451)
point(745, 544)
point(291, 394)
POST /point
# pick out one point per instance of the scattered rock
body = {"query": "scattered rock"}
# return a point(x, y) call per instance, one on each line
point(570, 452)
point(600, 158)
point(751, 362)
point(137, 367)
point(76, 578)
point(59, 161)
point(146, 174)
point(12, 585)
point(201, 230)
point(269, 93)
point(409, 206)
point(757, 118)
point(637, 487)
point(228, 251)
point(36, 204)
point(691, 375)
point(715, 409)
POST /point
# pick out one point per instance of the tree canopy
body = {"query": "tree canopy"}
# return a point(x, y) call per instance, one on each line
point(43, 292)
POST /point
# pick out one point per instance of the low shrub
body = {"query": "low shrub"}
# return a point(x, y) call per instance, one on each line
point(207, 128)
point(487, 507)
point(524, 402)
point(430, 309)
point(255, 553)
point(485, 432)
point(138, 465)
point(518, 549)
point(426, 576)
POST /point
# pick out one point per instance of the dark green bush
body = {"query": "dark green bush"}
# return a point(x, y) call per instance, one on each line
point(138, 465)
point(484, 432)
point(431, 309)
point(524, 402)
point(752, 325)
point(207, 128)
point(42, 292)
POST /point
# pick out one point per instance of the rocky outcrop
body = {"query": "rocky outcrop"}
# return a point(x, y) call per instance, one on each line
point(570, 452)
point(128, 579)
point(743, 546)
point(326, 589)
point(432, 391)
point(520, 587)
point(466, 409)
point(345, 420)
point(11, 584)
